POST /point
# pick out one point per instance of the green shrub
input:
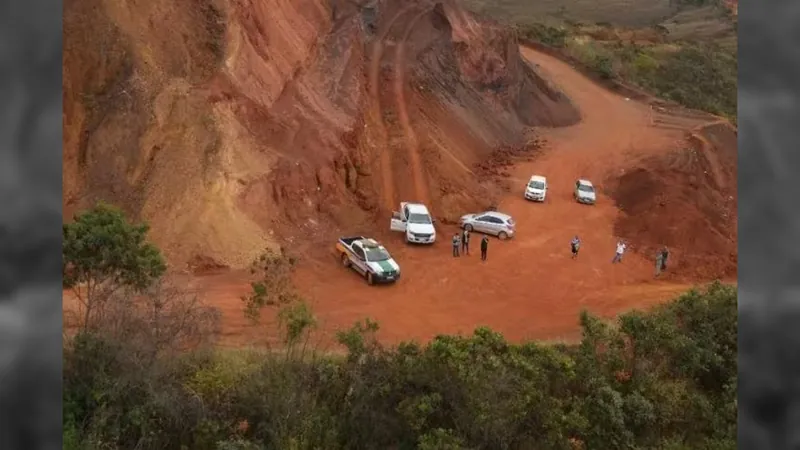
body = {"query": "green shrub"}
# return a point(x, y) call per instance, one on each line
point(552, 36)
point(603, 65)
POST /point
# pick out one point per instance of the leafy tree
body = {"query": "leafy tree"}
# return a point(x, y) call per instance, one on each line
point(102, 254)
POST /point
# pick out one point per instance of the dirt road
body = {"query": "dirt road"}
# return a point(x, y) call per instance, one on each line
point(387, 177)
point(412, 143)
point(529, 287)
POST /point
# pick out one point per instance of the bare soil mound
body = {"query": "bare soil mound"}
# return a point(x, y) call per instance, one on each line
point(687, 201)
point(231, 125)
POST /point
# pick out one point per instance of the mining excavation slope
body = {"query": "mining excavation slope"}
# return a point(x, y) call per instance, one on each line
point(234, 125)
point(231, 126)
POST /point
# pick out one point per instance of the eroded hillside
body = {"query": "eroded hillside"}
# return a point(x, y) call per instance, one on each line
point(231, 125)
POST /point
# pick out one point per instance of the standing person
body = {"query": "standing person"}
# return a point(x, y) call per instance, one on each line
point(664, 256)
point(456, 243)
point(575, 245)
point(484, 247)
point(465, 242)
point(659, 262)
point(620, 251)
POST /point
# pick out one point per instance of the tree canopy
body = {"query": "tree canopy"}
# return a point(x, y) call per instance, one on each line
point(104, 253)
point(101, 245)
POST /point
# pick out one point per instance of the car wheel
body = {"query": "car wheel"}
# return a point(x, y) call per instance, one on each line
point(468, 227)
point(502, 235)
point(370, 280)
point(345, 260)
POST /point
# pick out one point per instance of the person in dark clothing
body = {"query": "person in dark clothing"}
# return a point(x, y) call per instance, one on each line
point(484, 247)
point(465, 242)
point(575, 245)
point(456, 244)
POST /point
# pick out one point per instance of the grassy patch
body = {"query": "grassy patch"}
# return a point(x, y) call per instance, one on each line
point(697, 74)
point(621, 12)
point(679, 50)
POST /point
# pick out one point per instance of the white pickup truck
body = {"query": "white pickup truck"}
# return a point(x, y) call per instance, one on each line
point(368, 258)
point(415, 222)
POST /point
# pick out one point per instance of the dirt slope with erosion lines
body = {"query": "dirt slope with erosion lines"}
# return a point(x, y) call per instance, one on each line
point(231, 125)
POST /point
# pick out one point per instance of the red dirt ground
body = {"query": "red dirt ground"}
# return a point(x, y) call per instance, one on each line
point(423, 102)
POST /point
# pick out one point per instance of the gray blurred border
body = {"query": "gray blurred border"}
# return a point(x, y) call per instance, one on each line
point(769, 224)
point(30, 217)
point(30, 224)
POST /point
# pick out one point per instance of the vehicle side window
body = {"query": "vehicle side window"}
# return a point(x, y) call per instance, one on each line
point(495, 220)
point(405, 213)
point(359, 252)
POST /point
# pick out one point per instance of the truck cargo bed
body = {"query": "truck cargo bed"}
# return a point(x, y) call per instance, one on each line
point(349, 240)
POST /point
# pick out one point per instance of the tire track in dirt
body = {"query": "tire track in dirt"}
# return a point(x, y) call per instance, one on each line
point(412, 143)
point(443, 149)
point(707, 148)
point(387, 176)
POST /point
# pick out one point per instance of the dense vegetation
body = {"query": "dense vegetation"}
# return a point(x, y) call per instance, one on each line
point(144, 376)
point(700, 75)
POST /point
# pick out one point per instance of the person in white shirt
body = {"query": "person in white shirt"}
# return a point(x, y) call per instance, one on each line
point(620, 250)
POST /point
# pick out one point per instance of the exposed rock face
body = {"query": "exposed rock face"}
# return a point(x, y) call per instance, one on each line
point(231, 125)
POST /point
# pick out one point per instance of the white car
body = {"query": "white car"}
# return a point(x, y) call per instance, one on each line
point(536, 189)
point(489, 222)
point(584, 192)
point(415, 222)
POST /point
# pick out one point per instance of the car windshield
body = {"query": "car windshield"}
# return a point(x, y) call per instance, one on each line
point(376, 254)
point(536, 185)
point(419, 218)
point(585, 188)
